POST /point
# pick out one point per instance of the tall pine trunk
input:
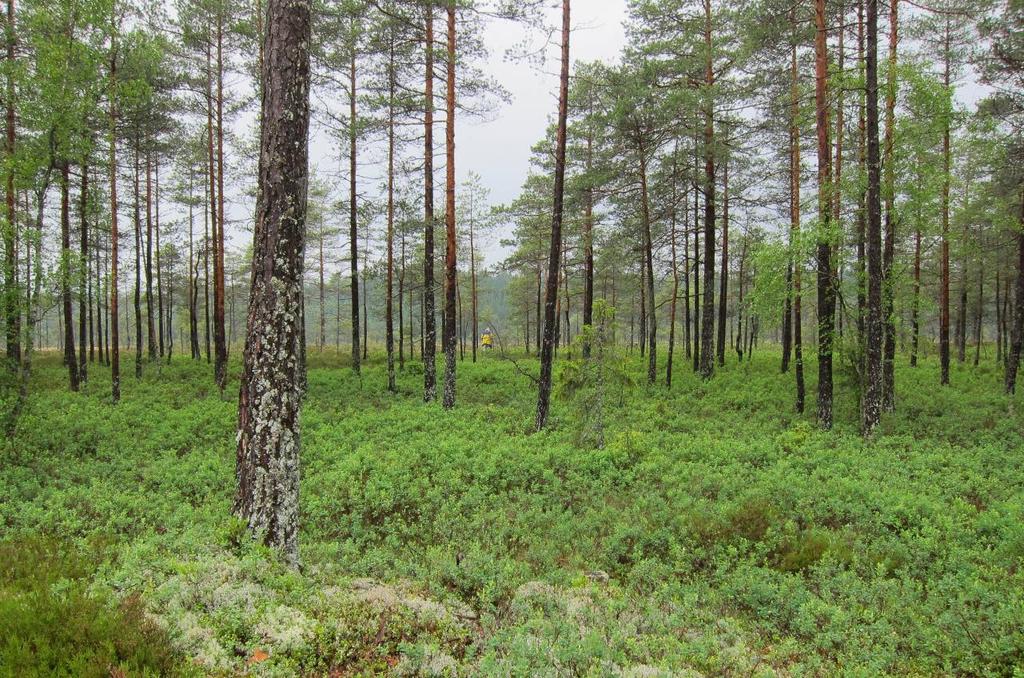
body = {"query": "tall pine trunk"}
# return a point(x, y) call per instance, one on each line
point(219, 340)
point(889, 251)
point(588, 238)
point(794, 225)
point(944, 252)
point(12, 302)
point(389, 329)
point(675, 274)
point(652, 321)
point(159, 274)
point(113, 333)
point(211, 194)
point(353, 228)
point(871, 407)
point(707, 363)
point(723, 278)
point(449, 338)
point(65, 275)
point(826, 288)
point(428, 345)
point(547, 346)
point(1017, 333)
point(150, 326)
point(193, 277)
point(84, 306)
point(473, 302)
point(138, 266)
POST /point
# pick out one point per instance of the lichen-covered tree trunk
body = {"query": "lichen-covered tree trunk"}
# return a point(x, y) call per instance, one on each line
point(267, 462)
point(871, 408)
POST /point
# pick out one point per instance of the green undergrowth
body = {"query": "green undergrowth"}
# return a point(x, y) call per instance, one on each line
point(717, 532)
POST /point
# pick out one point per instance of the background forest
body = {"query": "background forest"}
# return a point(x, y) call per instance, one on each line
point(767, 267)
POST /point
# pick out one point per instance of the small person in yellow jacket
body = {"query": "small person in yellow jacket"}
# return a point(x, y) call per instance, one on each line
point(487, 339)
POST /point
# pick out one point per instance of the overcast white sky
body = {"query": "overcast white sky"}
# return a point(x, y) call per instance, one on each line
point(499, 151)
point(498, 148)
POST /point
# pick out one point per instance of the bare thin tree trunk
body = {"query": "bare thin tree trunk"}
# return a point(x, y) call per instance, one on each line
point(65, 276)
point(794, 216)
point(150, 327)
point(401, 310)
point(978, 317)
point(193, 276)
point(675, 276)
point(84, 306)
point(159, 274)
point(475, 327)
point(211, 194)
point(723, 278)
point(448, 340)
point(12, 303)
point(138, 265)
point(915, 324)
point(889, 246)
point(113, 332)
point(652, 321)
point(389, 330)
point(696, 263)
point(555, 251)
point(353, 232)
point(707, 363)
point(686, 269)
point(428, 342)
point(944, 253)
point(1013, 355)
point(999, 319)
point(219, 340)
point(588, 240)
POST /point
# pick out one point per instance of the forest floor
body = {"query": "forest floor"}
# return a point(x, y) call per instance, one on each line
point(716, 532)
